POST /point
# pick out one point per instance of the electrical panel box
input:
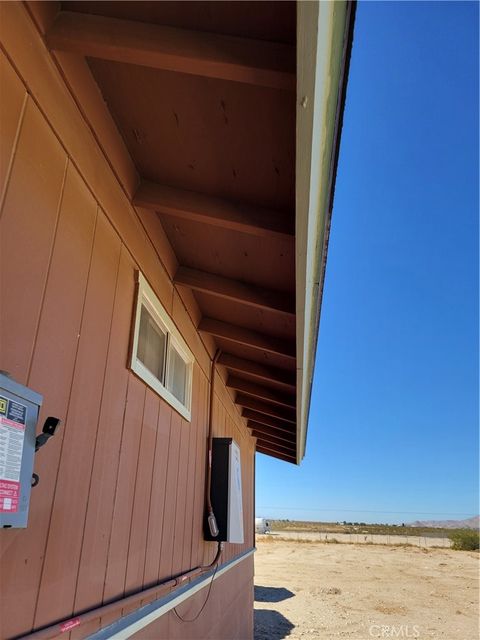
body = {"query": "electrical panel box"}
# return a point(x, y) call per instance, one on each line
point(19, 408)
point(226, 491)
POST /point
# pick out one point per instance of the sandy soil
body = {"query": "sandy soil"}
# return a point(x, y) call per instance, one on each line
point(318, 590)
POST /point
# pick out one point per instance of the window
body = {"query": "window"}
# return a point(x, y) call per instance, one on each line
point(160, 356)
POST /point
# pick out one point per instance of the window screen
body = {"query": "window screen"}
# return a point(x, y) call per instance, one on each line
point(160, 356)
point(152, 342)
point(177, 374)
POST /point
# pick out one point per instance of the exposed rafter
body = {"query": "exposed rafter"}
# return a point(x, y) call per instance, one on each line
point(217, 212)
point(279, 377)
point(235, 290)
point(264, 407)
point(270, 451)
point(278, 424)
point(269, 442)
point(244, 60)
point(247, 338)
point(259, 391)
point(269, 431)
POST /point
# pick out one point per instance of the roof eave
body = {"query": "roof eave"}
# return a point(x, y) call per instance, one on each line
point(324, 41)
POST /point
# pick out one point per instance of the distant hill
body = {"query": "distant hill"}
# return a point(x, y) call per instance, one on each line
point(469, 523)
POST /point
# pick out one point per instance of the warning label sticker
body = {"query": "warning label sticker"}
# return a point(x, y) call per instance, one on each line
point(13, 416)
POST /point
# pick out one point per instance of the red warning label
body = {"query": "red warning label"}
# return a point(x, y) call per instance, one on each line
point(71, 624)
point(12, 435)
point(9, 496)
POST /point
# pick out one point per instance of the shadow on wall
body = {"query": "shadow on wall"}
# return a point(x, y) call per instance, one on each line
point(271, 625)
point(272, 594)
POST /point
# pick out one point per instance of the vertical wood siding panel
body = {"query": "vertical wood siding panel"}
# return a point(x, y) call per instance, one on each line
point(157, 630)
point(224, 616)
point(157, 497)
point(44, 82)
point(189, 332)
point(166, 557)
point(107, 452)
point(124, 496)
point(153, 226)
point(143, 487)
point(181, 494)
point(12, 97)
point(200, 465)
point(51, 375)
point(27, 229)
point(71, 493)
point(235, 619)
point(191, 471)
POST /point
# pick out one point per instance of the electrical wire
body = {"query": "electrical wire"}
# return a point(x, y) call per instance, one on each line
point(216, 562)
point(182, 619)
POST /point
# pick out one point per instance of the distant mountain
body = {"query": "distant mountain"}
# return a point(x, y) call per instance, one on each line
point(469, 523)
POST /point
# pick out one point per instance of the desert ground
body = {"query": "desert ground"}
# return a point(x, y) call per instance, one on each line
point(358, 591)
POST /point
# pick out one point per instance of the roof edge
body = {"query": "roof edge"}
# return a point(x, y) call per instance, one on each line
point(324, 44)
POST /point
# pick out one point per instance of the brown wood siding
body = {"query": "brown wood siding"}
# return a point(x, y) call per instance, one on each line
point(228, 612)
point(121, 496)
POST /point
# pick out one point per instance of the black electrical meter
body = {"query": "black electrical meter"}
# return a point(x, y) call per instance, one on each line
point(19, 408)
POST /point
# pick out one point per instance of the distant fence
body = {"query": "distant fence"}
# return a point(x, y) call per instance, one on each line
point(366, 538)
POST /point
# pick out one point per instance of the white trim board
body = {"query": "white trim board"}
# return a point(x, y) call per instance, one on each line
point(144, 616)
point(321, 39)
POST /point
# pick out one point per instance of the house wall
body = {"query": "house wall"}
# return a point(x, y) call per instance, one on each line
point(120, 502)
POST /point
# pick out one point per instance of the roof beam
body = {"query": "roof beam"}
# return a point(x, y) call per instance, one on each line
point(235, 290)
point(211, 55)
point(271, 433)
point(277, 424)
point(280, 377)
point(283, 448)
point(283, 413)
point(247, 338)
point(259, 391)
point(204, 209)
point(271, 452)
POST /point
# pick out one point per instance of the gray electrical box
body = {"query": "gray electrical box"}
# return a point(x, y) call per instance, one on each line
point(226, 491)
point(19, 408)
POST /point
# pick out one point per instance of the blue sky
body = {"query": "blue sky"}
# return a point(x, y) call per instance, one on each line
point(393, 430)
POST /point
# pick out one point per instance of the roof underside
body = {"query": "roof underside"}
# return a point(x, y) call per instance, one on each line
point(203, 94)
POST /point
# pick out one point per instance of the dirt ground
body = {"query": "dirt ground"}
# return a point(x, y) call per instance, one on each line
point(318, 590)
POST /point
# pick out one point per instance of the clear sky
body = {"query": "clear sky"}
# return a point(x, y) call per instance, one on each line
point(393, 430)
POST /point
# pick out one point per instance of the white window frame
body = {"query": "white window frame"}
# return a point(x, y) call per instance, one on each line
point(147, 298)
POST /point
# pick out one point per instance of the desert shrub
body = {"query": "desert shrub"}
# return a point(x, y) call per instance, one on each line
point(465, 539)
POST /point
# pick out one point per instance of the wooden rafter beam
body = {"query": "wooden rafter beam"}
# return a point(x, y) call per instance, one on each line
point(271, 410)
point(259, 391)
point(235, 291)
point(273, 433)
point(198, 207)
point(261, 448)
point(268, 421)
point(247, 338)
point(280, 377)
point(256, 62)
point(267, 442)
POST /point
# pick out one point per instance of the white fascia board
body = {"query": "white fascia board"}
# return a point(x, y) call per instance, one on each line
point(321, 43)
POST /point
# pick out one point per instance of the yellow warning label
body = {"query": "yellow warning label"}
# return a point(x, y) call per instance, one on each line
point(3, 405)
